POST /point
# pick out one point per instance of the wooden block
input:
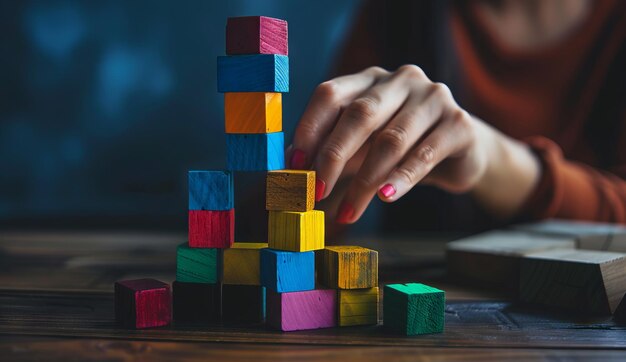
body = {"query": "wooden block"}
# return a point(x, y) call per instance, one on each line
point(196, 303)
point(357, 307)
point(256, 35)
point(413, 309)
point(211, 229)
point(197, 265)
point(290, 190)
point(253, 112)
point(243, 304)
point(253, 73)
point(242, 264)
point(255, 152)
point(348, 267)
point(294, 311)
point(588, 235)
point(286, 271)
point(584, 281)
point(296, 231)
point(142, 303)
point(210, 190)
point(492, 259)
point(620, 312)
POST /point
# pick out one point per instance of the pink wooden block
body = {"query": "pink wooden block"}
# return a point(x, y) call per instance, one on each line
point(142, 303)
point(211, 229)
point(294, 311)
point(256, 35)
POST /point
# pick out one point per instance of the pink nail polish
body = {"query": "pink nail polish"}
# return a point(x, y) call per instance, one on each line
point(346, 212)
point(320, 187)
point(388, 190)
point(298, 160)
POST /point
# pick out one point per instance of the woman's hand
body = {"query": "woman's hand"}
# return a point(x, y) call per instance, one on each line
point(398, 129)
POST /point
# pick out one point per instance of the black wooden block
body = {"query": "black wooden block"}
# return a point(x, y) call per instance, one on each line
point(196, 303)
point(243, 304)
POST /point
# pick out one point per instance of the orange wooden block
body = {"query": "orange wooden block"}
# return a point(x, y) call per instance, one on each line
point(253, 112)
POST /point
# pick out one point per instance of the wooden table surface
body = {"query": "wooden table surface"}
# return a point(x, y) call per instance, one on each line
point(56, 302)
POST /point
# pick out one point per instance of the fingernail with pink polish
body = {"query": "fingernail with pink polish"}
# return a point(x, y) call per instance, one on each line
point(320, 187)
point(346, 212)
point(388, 190)
point(298, 160)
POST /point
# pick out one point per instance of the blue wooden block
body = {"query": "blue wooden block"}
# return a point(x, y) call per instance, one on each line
point(255, 152)
point(253, 73)
point(211, 190)
point(287, 271)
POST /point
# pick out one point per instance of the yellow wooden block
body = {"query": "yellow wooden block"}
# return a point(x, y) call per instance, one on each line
point(296, 231)
point(241, 264)
point(253, 112)
point(357, 306)
point(290, 190)
point(348, 267)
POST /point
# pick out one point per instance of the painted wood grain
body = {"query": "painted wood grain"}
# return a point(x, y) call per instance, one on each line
point(255, 152)
point(242, 264)
point(584, 281)
point(290, 190)
point(253, 112)
point(243, 304)
point(197, 265)
point(196, 303)
point(296, 231)
point(253, 73)
point(302, 310)
point(287, 271)
point(413, 309)
point(357, 306)
point(256, 35)
point(142, 303)
point(210, 190)
point(348, 267)
point(211, 229)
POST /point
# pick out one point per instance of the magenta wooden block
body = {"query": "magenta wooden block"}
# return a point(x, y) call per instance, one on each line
point(295, 311)
point(256, 35)
point(143, 303)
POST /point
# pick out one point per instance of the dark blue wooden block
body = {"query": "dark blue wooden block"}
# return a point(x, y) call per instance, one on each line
point(253, 73)
point(287, 271)
point(210, 190)
point(255, 152)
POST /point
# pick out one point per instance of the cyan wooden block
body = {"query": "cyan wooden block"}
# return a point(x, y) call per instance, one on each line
point(210, 190)
point(253, 73)
point(255, 152)
point(413, 308)
point(287, 271)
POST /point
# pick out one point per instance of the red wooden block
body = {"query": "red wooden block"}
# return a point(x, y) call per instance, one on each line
point(256, 35)
point(143, 303)
point(211, 229)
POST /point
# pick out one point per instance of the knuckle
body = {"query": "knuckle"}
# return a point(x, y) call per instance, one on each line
point(363, 182)
point(376, 70)
point(408, 174)
point(393, 138)
point(332, 152)
point(441, 90)
point(426, 154)
point(412, 71)
point(327, 91)
point(307, 129)
point(363, 108)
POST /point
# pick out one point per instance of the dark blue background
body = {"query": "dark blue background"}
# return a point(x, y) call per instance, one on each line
point(105, 105)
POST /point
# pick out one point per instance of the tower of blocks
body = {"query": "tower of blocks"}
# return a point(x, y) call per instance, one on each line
point(219, 280)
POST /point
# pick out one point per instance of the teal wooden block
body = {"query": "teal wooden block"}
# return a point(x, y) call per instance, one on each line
point(255, 152)
point(253, 73)
point(198, 265)
point(413, 308)
point(210, 190)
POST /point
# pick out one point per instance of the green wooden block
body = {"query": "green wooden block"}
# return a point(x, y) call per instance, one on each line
point(413, 308)
point(197, 265)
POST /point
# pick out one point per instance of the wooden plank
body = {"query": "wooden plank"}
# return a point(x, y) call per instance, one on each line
point(290, 190)
point(286, 271)
point(243, 304)
point(211, 229)
point(295, 311)
point(256, 35)
point(253, 112)
point(296, 231)
point(348, 267)
point(585, 281)
point(241, 264)
point(255, 152)
point(357, 307)
point(196, 303)
point(210, 190)
point(413, 309)
point(197, 265)
point(142, 303)
point(253, 73)
point(492, 259)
